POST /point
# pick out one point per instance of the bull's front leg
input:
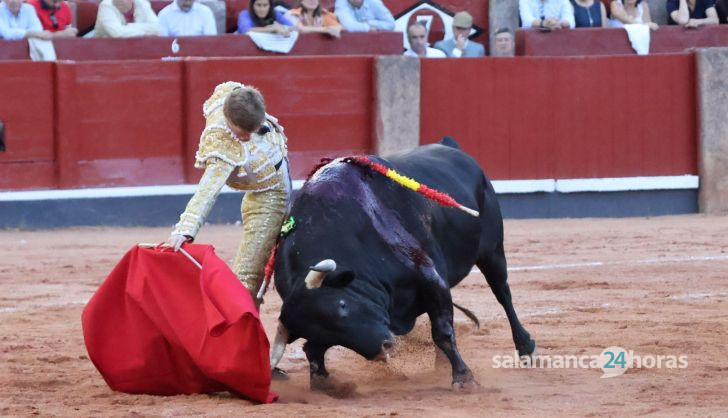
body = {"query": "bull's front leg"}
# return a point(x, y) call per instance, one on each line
point(320, 379)
point(440, 311)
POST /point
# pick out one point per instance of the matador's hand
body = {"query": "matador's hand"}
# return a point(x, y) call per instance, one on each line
point(175, 241)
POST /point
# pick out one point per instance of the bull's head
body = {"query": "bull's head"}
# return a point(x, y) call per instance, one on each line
point(333, 309)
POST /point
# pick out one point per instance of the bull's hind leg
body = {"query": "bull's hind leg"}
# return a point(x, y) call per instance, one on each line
point(494, 267)
point(440, 311)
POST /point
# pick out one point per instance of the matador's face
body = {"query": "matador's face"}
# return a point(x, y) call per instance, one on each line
point(241, 133)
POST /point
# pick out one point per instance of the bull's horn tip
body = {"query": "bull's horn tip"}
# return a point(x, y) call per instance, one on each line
point(327, 265)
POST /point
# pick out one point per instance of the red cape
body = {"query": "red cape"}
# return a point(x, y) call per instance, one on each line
point(160, 325)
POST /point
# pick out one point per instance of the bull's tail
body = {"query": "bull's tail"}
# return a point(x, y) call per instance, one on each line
point(468, 313)
point(449, 141)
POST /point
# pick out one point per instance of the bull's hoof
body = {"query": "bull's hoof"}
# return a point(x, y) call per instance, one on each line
point(468, 386)
point(465, 382)
point(529, 354)
point(333, 387)
point(528, 349)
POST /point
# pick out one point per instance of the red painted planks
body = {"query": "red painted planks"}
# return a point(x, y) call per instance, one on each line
point(579, 117)
point(26, 108)
point(27, 111)
point(27, 175)
point(120, 123)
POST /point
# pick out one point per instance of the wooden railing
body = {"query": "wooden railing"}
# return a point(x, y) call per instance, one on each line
point(229, 45)
point(614, 41)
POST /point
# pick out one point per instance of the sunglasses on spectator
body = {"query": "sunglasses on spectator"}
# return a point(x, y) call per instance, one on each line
point(54, 20)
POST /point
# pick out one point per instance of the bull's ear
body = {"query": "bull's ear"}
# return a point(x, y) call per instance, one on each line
point(339, 278)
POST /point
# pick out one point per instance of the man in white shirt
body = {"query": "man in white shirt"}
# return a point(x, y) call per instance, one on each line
point(187, 18)
point(546, 14)
point(364, 15)
point(19, 20)
point(125, 19)
point(417, 37)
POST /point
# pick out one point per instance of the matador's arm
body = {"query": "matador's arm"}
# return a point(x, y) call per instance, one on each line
point(199, 206)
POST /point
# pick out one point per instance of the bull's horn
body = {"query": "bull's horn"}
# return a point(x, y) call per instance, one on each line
point(316, 276)
point(279, 345)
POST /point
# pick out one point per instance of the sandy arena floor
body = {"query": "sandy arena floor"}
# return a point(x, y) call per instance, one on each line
point(657, 286)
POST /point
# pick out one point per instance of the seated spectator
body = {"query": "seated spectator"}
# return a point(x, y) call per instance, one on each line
point(261, 16)
point(186, 18)
point(125, 19)
point(630, 12)
point(546, 14)
point(417, 37)
point(364, 15)
point(55, 17)
point(504, 43)
point(19, 21)
point(691, 13)
point(589, 13)
point(310, 17)
point(459, 45)
point(721, 7)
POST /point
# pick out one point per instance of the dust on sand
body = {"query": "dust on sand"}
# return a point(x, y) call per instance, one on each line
point(657, 286)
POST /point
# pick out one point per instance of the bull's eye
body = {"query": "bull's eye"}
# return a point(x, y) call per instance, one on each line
point(343, 310)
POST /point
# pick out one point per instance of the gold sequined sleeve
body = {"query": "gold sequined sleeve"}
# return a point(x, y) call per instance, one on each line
point(199, 206)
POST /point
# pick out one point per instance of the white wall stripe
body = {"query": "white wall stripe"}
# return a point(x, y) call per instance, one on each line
point(524, 186)
point(627, 183)
point(500, 186)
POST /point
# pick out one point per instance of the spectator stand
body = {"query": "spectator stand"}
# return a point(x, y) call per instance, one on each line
point(436, 13)
point(85, 13)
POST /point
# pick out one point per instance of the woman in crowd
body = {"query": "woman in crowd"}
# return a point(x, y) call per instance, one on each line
point(262, 16)
point(310, 17)
point(626, 12)
point(589, 13)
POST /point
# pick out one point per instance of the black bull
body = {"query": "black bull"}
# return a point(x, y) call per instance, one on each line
point(397, 255)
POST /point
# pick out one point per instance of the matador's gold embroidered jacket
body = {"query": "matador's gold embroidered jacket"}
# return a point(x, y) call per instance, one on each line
point(249, 166)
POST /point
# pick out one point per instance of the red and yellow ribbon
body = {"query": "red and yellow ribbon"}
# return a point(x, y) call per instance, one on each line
point(441, 198)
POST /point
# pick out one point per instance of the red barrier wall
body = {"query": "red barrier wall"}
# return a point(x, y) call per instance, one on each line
point(589, 117)
point(27, 109)
point(14, 50)
point(325, 104)
point(614, 41)
point(77, 49)
point(138, 122)
point(120, 124)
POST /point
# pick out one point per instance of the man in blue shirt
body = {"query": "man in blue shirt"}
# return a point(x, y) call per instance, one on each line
point(459, 45)
point(19, 21)
point(364, 15)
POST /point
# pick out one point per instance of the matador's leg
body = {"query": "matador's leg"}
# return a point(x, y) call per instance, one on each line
point(262, 214)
